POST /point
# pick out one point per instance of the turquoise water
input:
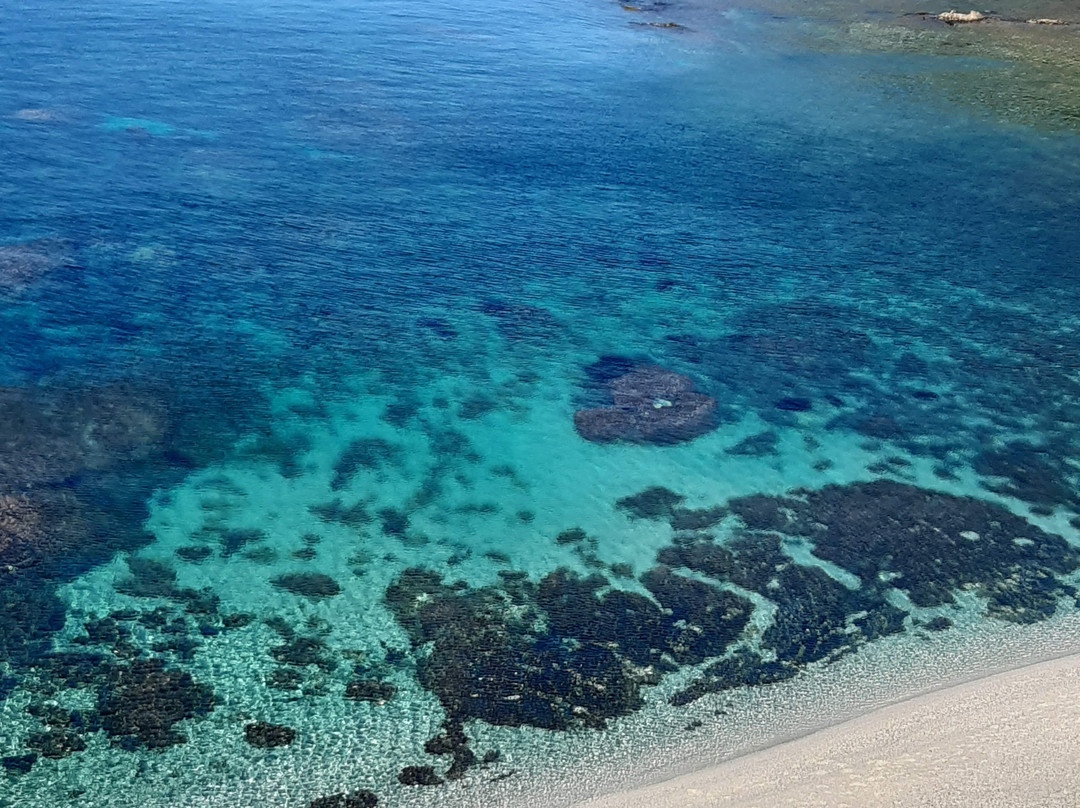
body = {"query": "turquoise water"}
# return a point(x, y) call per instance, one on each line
point(300, 302)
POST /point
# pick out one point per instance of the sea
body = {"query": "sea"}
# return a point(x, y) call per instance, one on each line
point(486, 403)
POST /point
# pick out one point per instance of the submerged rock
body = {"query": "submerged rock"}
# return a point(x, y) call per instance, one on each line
point(558, 654)
point(313, 585)
point(742, 669)
point(56, 742)
point(649, 405)
point(142, 703)
point(658, 503)
point(18, 764)
point(491, 660)
point(302, 651)
point(927, 543)
point(268, 736)
point(371, 454)
point(353, 799)
point(370, 690)
point(760, 444)
point(419, 776)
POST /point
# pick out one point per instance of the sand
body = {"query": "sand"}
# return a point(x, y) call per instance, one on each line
point(1011, 739)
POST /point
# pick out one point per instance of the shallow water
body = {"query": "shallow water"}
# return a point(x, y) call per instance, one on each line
point(316, 289)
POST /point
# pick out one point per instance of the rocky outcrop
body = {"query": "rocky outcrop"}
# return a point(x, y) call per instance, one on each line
point(649, 405)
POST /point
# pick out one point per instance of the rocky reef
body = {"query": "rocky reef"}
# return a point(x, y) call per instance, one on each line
point(649, 405)
point(141, 704)
point(561, 652)
point(576, 651)
point(22, 264)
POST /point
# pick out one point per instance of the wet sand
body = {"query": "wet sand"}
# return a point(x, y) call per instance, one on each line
point(1011, 739)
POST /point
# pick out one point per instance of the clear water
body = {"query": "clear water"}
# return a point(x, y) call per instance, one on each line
point(276, 231)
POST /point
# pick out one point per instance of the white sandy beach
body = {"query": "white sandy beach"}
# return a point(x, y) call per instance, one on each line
point(1009, 740)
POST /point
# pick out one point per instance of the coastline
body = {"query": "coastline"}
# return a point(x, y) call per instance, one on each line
point(1004, 739)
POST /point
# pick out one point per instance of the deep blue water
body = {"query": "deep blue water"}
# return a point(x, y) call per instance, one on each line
point(271, 230)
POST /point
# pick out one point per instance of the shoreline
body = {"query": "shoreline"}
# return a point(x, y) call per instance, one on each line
point(1007, 738)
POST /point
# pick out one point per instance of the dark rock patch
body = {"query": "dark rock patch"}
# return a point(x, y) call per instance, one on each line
point(394, 522)
point(761, 444)
point(704, 620)
point(629, 622)
point(193, 553)
point(24, 263)
point(233, 540)
point(608, 368)
point(490, 660)
point(370, 690)
point(794, 404)
point(928, 543)
point(352, 799)
point(572, 651)
point(237, 620)
point(692, 519)
point(450, 738)
point(354, 516)
point(56, 742)
point(311, 585)
point(557, 654)
point(300, 651)
point(51, 436)
point(938, 623)
point(574, 535)
point(663, 504)
point(741, 669)
point(453, 741)
point(262, 735)
point(364, 453)
point(285, 679)
point(880, 426)
point(148, 579)
point(141, 704)
point(652, 503)
point(817, 618)
point(419, 776)
point(18, 764)
point(476, 407)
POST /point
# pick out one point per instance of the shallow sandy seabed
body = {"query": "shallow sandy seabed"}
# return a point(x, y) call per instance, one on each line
point(1004, 740)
